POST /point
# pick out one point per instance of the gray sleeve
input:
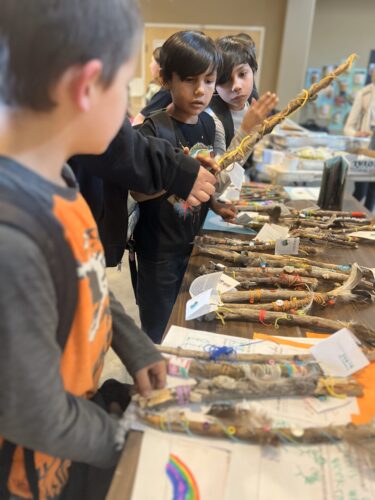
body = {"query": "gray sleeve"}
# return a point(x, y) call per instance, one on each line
point(219, 145)
point(35, 410)
point(129, 342)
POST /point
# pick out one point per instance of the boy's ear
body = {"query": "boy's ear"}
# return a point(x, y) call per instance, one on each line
point(84, 83)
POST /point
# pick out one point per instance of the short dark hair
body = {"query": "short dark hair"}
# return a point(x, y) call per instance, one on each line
point(235, 50)
point(40, 39)
point(246, 38)
point(188, 53)
point(156, 54)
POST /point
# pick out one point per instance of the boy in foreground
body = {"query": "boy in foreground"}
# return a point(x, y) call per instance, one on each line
point(65, 67)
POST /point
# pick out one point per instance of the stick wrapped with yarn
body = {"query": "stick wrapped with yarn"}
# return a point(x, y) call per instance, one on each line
point(248, 143)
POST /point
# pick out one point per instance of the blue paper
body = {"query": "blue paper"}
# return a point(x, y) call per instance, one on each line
point(214, 222)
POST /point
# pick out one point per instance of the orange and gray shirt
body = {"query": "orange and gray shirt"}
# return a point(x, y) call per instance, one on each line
point(44, 402)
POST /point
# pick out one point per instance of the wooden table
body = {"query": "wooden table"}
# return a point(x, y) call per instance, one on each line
point(123, 481)
point(364, 255)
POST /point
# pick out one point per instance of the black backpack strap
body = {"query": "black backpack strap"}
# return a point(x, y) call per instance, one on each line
point(209, 127)
point(6, 457)
point(25, 217)
point(165, 129)
point(32, 477)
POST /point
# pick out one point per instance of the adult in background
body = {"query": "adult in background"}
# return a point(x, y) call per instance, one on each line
point(361, 123)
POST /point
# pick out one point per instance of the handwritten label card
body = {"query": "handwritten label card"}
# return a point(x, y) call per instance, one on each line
point(272, 232)
point(339, 354)
point(204, 303)
point(290, 246)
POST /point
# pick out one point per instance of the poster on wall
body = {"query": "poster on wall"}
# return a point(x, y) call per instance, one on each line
point(329, 111)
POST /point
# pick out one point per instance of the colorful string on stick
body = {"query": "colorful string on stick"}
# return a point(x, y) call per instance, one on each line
point(248, 143)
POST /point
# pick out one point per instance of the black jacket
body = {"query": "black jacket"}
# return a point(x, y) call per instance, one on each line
point(131, 162)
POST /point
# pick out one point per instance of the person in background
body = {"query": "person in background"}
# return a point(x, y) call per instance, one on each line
point(361, 123)
point(155, 84)
point(236, 108)
point(166, 229)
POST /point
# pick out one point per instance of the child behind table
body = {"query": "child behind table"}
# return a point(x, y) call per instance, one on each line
point(235, 106)
point(165, 232)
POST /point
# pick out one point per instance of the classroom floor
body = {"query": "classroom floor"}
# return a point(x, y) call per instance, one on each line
point(120, 285)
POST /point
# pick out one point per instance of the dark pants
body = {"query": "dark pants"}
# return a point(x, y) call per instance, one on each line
point(87, 482)
point(157, 288)
point(365, 189)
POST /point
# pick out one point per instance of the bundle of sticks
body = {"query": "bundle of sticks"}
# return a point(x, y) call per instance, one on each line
point(310, 227)
point(253, 244)
point(255, 264)
point(301, 283)
point(219, 386)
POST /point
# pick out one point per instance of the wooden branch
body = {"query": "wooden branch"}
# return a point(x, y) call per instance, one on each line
point(263, 295)
point(268, 125)
point(326, 237)
point(211, 369)
point(364, 333)
point(254, 258)
point(248, 358)
point(311, 272)
point(222, 388)
point(213, 427)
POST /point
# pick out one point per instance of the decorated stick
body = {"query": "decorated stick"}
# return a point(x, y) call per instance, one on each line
point(230, 354)
point(268, 125)
point(326, 237)
point(185, 368)
point(254, 258)
point(243, 245)
point(216, 427)
point(284, 300)
point(286, 273)
point(329, 213)
point(223, 388)
point(263, 247)
point(268, 318)
point(286, 281)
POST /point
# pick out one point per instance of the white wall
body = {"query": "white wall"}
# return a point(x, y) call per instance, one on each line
point(340, 28)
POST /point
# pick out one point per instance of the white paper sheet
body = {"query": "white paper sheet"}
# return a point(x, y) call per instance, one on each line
point(222, 470)
point(196, 466)
point(288, 472)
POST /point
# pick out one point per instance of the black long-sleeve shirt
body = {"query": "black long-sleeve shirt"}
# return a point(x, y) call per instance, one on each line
point(132, 162)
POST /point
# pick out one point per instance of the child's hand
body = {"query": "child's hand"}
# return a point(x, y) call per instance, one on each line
point(208, 162)
point(151, 377)
point(226, 210)
point(258, 111)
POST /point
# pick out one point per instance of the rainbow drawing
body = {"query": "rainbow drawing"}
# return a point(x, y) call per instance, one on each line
point(184, 484)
